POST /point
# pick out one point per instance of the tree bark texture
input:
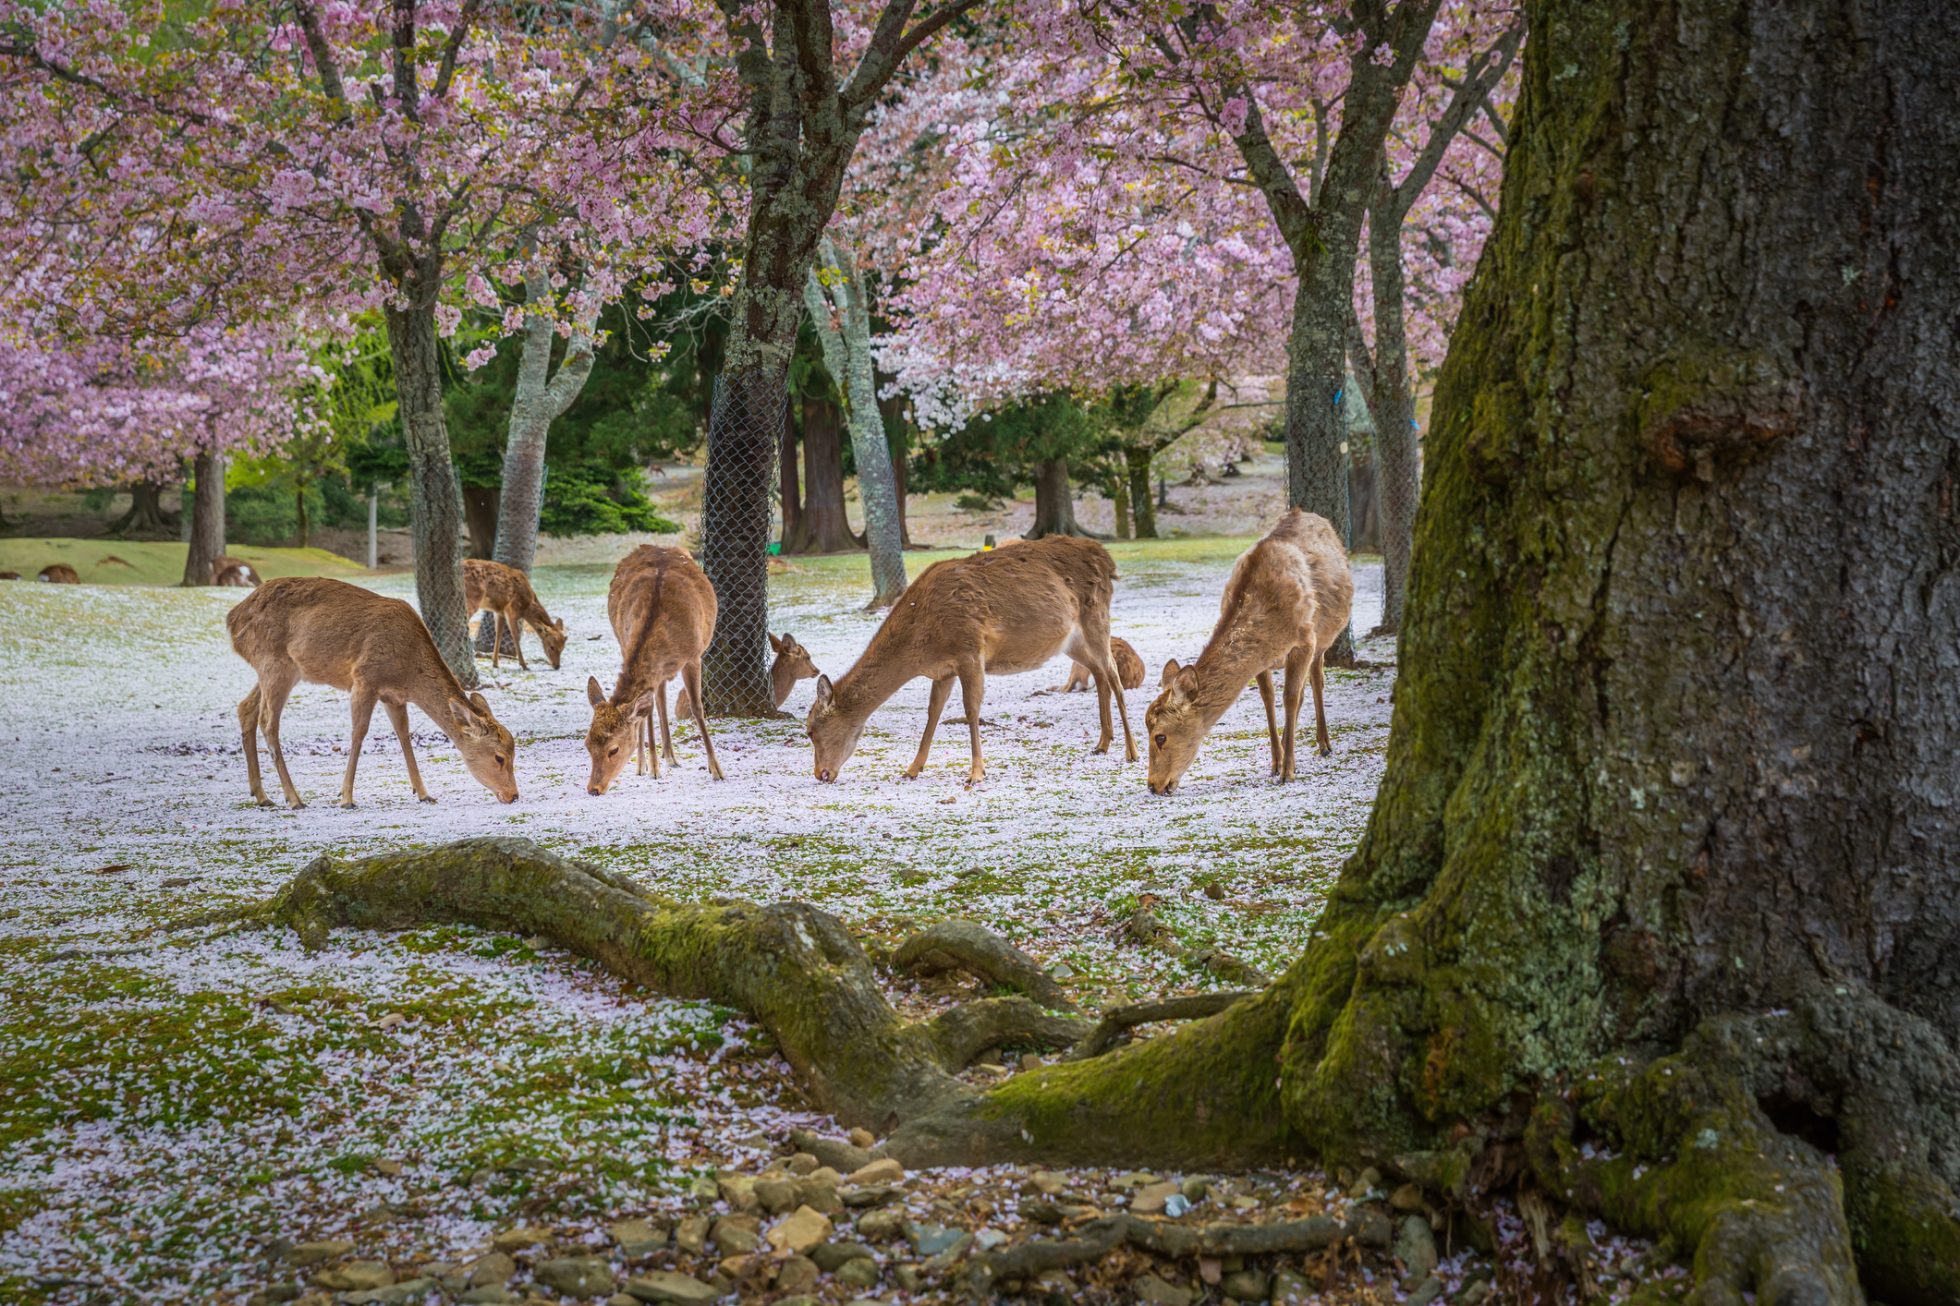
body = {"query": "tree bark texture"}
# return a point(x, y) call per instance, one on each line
point(1143, 499)
point(823, 526)
point(207, 517)
point(1054, 501)
point(480, 518)
point(742, 440)
point(434, 501)
point(792, 481)
point(146, 514)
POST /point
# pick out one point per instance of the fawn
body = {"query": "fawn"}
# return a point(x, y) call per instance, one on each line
point(1006, 610)
point(328, 632)
point(235, 572)
point(508, 595)
point(793, 663)
point(662, 609)
point(60, 573)
point(1129, 668)
point(1285, 603)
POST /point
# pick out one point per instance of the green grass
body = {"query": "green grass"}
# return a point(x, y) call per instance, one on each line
point(157, 562)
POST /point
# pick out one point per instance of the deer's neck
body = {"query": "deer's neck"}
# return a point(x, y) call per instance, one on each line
point(1236, 653)
point(877, 676)
point(438, 693)
point(639, 674)
point(782, 679)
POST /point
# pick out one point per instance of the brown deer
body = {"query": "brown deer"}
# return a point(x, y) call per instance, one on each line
point(663, 613)
point(328, 632)
point(227, 570)
point(1285, 603)
point(59, 573)
point(793, 663)
point(1006, 610)
point(508, 595)
point(1129, 669)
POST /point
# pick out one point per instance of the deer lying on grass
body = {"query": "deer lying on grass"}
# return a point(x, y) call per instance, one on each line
point(1129, 667)
point(227, 570)
point(1285, 603)
point(506, 592)
point(1003, 611)
point(328, 632)
point(663, 613)
point(793, 663)
point(59, 573)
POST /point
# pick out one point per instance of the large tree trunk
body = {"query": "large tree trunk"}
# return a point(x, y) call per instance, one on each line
point(480, 518)
point(1143, 501)
point(434, 503)
point(207, 517)
point(1054, 500)
point(898, 438)
point(146, 514)
point(742, 464)
point(792, 483)
point(824, 526)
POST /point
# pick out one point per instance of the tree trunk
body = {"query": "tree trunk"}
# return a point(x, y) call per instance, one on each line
point(826, 527)
point(1362, 490)
point(434, 503)
point(901, 478)
point(1119, 500)
point(207, 540)
point(146, 514)
point(1054, 500)
point(792, 489)
point(374, 527)
point(898, 438)
point(742, 454)
point(480, 516)
point(303, 526)
point(1143, 504)
point(1392, 406)
point(1316, 376)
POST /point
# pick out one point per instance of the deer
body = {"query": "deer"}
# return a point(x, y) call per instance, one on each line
point(1129, 668)
point(508, 595)
point(792, 663)
point(327, 632)
point(1003, 610)
point(59, 573)
point(227, 570)
point(662, 608)
point(1285, 603)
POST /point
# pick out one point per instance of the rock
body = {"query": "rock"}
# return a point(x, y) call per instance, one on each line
point(875, 1195)
point(637, 1237)
point(1176, 1205)
point(1195, 1190)
point(1132, 1179)
point(1415, 1247)
point(1371, 1227)
point(276, 1295)
point(1049, 1183)
point(949, 1254)
point(1369, 1182)
point(1031, 1061)
point(862, 1138)
point(511, 1240)
point(909, 1277)
point(395, 1294)
point(738, 1190)
point(1246, 1285)
point(1427, 1291)
point(931, 1239)
point(1042, 1211)
point(881, 1226)
point(620, 1299)
point(775, 1195)
point(800, 1299)
point(493, 1267)
point(1150, 1199)
point(1289, 1289)
point(488, 1295)
point(800, 1232)
point(803, 1163)
point(884, 1170)
point(988, 1239)
point(313, 1253)
point(1407, 1198)
point(703, 1189)
point(737, 1268)
point(576, 1276)
point(668, 1286)
point(819, 1194)
point(831, 1256)
point(355, 1276)
point(796, 1274)
point(1152, 1289)
point(1474, 1294)
point(691, 1235)
point(860, 1273)
point(737, 1235)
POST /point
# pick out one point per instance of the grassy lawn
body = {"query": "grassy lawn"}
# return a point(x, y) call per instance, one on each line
point(157, 562)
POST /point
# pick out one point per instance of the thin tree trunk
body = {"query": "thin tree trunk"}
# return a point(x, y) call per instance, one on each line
point(480, 518)
point(898, 438)
point(792, 483)
point(1143, 503)
point(1316, 415)
point(207, 517)
point(303, 525)
point(824, 526)
point(434, 502)
point(374, 527)
point(1054, 500)
point(1119, 499)
point(901, 477)
point(1392, 406)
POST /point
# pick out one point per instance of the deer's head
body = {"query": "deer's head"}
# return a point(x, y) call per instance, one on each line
point(833, 734)
point(613, 734)
point(487, 748)
point(792, 658)
point(1175, 727)
point(553, 639)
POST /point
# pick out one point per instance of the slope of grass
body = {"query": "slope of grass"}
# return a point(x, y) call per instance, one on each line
point(156, 562)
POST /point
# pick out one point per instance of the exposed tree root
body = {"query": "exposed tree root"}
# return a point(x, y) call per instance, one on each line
point(1143, 927)
point(965, 1031)
point(963, 945)
point(1119, 1021)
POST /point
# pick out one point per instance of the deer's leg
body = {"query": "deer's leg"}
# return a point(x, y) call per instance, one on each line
point(942, 689)
point(1320, 702)
point(248, 726)
point(363, 711)
point(691, 674)
point(516, 625)
point(643, 742)
point(666, 734)
point(1092, 649)
point(1296, 688)
point(272, 702)
point(973, 687)
point(1265, 679)
point(496, 636)
point(398, 718)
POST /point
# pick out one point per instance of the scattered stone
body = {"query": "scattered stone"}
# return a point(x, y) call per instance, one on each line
point(831, 1256)
point(511, 1240)
point(1195, 1190)
point(390, 1168)
point(1031, 1061)
point(395, 1294)
point(1176, 1205)
point(951, 1253)
point(493, 1267)
point(313, 1253)
point(863, 1138)
point(704, 1189)
point(1415, 1247)
point(488, 1295)
point(860, 1273)
point(355, 1276)
point(1426, 1292)
point(802, 1163)
point(796, 1274)
point(576, 1276)
point(1371, 1227)
point(1369, 1182)
point(776, 1195)
point(1150, 1199)
point(1132, 1179)
point(1407, 1198)
point(800, 1299)
point(738, 1267)
point(882, 1226)
point(691, 1235)
point(669, 1286)
point(1048, 1182)
point(875, 1195)
point(931, 1239)
point(909, 1278)
point(885, 1170)
point(736, 1235)
point(637, 1237)
point(621, 1299)
point(391, 1020)
point(1152, 1289)
point(1289, 1289)
point(1475, 1293)
point(276, 1295)
point(738, 1190)
point(819, 1193)
point(988, 1239)
point(1246, 1285)
point(800, 1232)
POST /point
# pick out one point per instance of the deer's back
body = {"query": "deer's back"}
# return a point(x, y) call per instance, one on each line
point(333, 633)
point(1016, 604)
point(1292, 582)
point(661, 604)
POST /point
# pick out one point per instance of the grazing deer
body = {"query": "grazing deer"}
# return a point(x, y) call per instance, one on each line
point(663, 613)
point(792, 664)
point(328, 632)
point(1006, 610)
point(1285, 603)
point(9, 575)
point(1129, 668)
point(59, 573)
point(508, 595)
point(227, 570)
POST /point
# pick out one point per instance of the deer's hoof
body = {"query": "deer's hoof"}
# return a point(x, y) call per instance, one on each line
point(1102, 752)
point(347, 806)
point(426, 799)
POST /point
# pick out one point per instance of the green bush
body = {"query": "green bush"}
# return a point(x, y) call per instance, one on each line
point(584, 499)
point(268, 515)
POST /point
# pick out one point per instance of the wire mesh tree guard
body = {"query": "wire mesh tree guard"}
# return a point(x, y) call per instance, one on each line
point(745, 431)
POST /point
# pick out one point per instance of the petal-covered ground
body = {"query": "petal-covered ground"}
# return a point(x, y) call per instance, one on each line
point(171, 1106)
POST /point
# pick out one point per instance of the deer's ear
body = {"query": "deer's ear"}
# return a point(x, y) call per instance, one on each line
point(467, 723)
point(823, 690)
point(559, 623)
point(1170, 673)
point(642, 705)
point(593, 694)
point(481, 704)
point(1187, 681)
point(780, 643)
